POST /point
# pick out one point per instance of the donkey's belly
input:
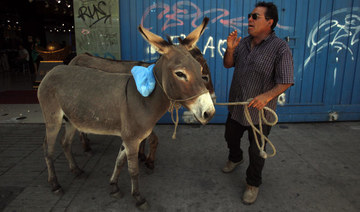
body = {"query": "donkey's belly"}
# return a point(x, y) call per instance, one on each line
point(94, 115)
point(92, 100)
point(97, 130)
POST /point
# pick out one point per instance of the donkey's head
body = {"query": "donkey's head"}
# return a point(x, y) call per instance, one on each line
point(180, 75)
point(196, 53)
point(206, 75)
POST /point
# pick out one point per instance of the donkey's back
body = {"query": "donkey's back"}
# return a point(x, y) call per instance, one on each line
point(94, 101)
point(108, 65)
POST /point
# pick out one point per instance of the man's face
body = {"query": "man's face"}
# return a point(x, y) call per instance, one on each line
point(259, 26)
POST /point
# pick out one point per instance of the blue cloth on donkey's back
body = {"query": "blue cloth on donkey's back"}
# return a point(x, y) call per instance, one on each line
point(144, 79)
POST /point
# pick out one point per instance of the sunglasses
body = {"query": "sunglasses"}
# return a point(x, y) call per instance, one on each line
point(255, 16)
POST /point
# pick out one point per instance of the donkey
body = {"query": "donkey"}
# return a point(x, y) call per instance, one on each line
point(123, 66)
point(98, 102)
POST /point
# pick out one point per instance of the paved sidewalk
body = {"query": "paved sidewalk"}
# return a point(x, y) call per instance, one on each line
point(316, 169)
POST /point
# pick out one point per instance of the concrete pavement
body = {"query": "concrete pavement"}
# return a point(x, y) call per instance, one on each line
point(316, 169)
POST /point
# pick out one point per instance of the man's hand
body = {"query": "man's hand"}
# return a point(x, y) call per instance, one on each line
point(233, 40)
point(259, 102)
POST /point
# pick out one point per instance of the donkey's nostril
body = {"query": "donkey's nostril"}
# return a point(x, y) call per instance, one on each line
point(206, 115)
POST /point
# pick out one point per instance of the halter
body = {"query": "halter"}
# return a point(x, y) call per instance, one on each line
point(175, 105)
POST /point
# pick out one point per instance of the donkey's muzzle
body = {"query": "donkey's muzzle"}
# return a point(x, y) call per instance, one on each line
point(207, 116)
point(203, 108)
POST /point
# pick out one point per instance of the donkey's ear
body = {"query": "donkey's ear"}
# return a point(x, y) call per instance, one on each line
point(190, 41)
point(155, 41)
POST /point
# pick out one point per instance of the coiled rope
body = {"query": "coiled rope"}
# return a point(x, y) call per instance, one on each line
point(174, 104)
point(262, 118)
point(263, 154)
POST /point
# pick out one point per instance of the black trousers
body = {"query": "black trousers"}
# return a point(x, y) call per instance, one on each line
point(233, 133)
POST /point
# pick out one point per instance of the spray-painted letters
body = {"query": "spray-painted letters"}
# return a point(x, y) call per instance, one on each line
point(94, 13)
point(97, 27)
point(175, 15)
point(334, 30)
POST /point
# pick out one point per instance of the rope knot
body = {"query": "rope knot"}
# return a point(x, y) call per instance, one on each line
point(174, 105)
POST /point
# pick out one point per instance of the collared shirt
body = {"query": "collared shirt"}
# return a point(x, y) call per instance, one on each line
point(257, 71)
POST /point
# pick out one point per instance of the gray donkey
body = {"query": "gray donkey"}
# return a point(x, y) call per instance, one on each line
point(98, 102)
point(123, 66)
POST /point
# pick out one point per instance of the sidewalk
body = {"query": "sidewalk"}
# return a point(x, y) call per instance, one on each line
point(316, 169)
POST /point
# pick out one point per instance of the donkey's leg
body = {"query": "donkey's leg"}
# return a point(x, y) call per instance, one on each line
point(85, 142)
point(120, 161)
point(153, 142)
point(142, 150)
point(53, 125)
point(66, 145)
point(133, 167)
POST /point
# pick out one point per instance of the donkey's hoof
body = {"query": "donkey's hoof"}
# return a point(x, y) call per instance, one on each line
point(150, 165)
point(142, 157)
point(142, 205)
point(77, 172)
point(117, 194)
point(149, 171)
point(89, 153)
point(58, 190)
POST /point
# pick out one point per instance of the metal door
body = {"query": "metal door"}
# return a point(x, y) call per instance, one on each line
point(323, 36)
point(325, 51)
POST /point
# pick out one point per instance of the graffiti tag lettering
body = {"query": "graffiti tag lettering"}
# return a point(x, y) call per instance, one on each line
point(340, 31)
point(93, 13)
point(180, 11)
point(97, 40)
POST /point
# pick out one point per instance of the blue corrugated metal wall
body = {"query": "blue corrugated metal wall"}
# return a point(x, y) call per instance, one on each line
point(323, 35)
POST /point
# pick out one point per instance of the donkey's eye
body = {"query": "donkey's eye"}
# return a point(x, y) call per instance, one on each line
point(205, 78)
point(181, 75)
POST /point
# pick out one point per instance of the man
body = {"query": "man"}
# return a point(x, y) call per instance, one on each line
point(22, 59)
point(23, 55)
point(263, 70)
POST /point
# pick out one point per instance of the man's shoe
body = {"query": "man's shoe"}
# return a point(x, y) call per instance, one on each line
point(250, 194)
point(230, 166)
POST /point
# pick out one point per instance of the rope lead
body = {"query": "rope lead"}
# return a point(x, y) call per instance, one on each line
point(174, 104)
point(262, 118)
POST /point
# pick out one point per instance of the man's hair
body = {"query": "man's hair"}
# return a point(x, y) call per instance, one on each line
point(271, 12)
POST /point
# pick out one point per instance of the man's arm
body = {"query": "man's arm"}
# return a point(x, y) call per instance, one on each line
point(261, 100)
point(232, 42)
point(229, 58)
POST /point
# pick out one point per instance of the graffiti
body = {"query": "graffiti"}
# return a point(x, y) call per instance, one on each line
point(93, 13)
point(336, 32)
point(97, 40)
point(97, 27)
point(209, 47)
point(181, 11)
point(174, 39)
point(187, 10)
point(281, 99)
point(85, 31)
point(221, 47)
